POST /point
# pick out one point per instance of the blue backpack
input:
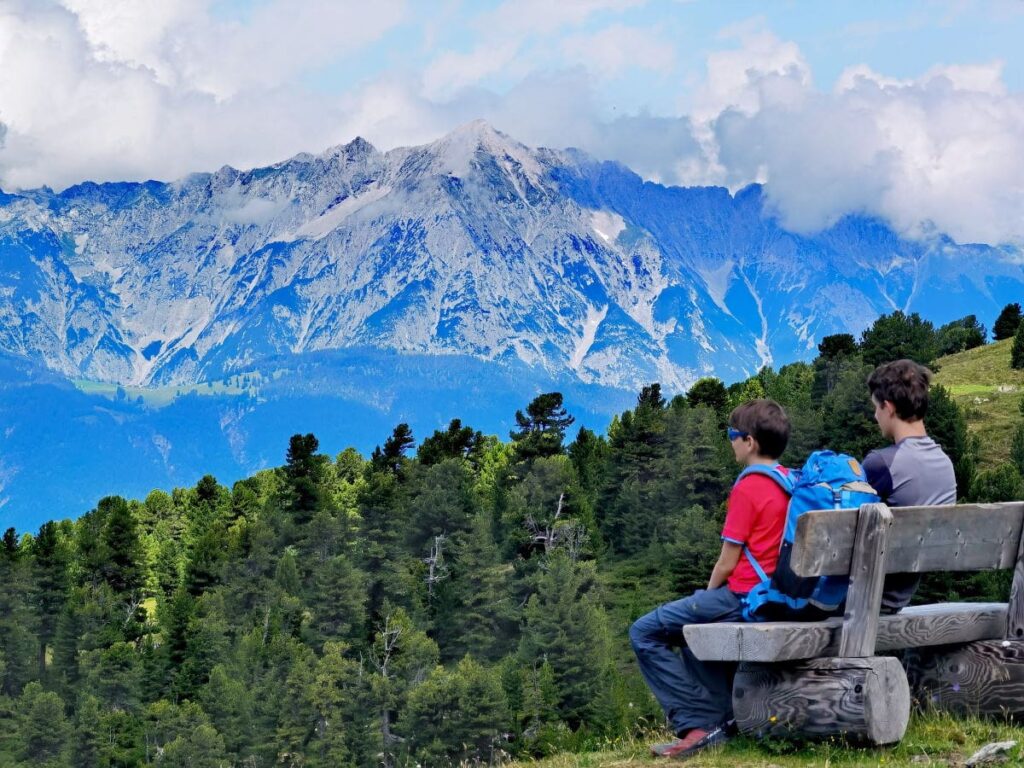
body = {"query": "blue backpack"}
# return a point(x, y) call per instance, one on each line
point(827, 481)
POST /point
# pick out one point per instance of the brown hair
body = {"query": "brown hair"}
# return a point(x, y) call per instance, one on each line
point(766, 422)
point(903, 383)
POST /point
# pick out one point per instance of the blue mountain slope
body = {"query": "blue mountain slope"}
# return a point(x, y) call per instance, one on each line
point(489, 268)
point(62, 449)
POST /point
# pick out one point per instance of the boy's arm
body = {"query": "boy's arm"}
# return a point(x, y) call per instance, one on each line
point(727, 561)
point(876, 472)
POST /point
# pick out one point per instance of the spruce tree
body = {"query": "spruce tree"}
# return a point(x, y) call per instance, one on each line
point(948, 427)
point(123, 568)
point(50, 563)
point(1002, 483)
point(456, 716)
point(567, 629)
point(45, 734)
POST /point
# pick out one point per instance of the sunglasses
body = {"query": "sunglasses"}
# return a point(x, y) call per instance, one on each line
point(735, 433)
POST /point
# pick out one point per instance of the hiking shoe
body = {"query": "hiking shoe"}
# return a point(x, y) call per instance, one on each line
point(695, 741)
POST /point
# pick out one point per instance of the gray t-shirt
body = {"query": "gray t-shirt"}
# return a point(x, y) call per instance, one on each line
point(913, 472)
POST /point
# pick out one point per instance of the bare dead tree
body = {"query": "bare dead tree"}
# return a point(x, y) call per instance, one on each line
point(546, 535)
point(389, 635)
point(437, 570)
point(131, 608)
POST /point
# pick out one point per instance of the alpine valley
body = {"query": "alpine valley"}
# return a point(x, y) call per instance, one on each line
point(155, 332)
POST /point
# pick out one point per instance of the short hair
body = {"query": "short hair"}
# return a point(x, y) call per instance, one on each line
point(903, 383)
point(766, 422)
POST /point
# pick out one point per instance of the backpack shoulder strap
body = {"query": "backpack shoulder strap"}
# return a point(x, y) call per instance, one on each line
point(783, 479)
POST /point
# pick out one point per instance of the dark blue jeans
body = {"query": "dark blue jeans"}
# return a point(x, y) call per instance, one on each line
point(693, 693)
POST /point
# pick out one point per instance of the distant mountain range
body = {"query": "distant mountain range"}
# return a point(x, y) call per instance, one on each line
point(531, 268)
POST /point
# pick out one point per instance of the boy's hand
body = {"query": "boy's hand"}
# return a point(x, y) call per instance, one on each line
point(727, 560)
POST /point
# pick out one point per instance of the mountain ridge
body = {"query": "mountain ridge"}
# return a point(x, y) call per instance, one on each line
point(473, 244)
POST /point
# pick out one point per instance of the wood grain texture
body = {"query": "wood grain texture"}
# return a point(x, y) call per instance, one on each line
point(860, 699)
point(923, 625)
point(1015, 615)
point(867, 574)
point(982, 678)
point(965, 537)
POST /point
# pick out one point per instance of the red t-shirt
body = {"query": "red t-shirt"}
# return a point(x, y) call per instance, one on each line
point(756, 517)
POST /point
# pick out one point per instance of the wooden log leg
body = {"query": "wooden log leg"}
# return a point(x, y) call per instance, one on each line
point(981, 678)
point(863, 699)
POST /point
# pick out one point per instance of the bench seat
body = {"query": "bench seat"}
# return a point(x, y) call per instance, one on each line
point(914, 627)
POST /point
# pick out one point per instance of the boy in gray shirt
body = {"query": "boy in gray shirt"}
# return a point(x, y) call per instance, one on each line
point(914, 471)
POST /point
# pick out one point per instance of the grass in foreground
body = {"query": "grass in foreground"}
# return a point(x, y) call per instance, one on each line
point(983, 384)
point(936, 740)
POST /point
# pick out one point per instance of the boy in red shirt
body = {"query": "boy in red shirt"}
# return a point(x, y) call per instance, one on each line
point(697, 695)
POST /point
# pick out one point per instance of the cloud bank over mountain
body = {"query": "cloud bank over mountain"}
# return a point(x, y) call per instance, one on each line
point(115, 89)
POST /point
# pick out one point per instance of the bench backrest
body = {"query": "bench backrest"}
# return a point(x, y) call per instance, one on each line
point(965, 537)
point(869, 542)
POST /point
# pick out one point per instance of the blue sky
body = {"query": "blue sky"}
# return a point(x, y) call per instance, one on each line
point(910, 110)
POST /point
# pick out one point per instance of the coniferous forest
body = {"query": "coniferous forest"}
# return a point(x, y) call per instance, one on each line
point(453, 598)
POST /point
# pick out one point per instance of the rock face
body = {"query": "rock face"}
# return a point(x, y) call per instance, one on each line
point(475, 245)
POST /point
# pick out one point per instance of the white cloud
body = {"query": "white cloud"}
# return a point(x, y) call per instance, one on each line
point(614, 49)
point(521, 18)
point(451, 71)
point(944, 151)
point(134, 89)
point(113, 89)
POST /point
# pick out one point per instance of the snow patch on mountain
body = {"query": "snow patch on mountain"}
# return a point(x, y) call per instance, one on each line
point(607, 224)
point(595, 317)
point(717, 280)
point(333, 217)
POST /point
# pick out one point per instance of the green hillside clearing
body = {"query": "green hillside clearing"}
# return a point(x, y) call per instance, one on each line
point(989, 391)
point(932, 740)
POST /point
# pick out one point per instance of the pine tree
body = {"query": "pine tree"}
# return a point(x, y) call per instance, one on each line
point(899, 336)
point(1017, 351)
point(960, 335)
point(709, 392)
point(637, 445)
point(18, 641)
point(305, 473)
point(1007, 323)
point(392, 457)
point(836, 346)
point(848, 423)
point(474, 610)
point(542, 428)
point(948, 427)
point(228, 702)
point(456, 442)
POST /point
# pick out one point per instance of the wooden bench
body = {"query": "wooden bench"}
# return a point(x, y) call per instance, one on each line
point(826, 678)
